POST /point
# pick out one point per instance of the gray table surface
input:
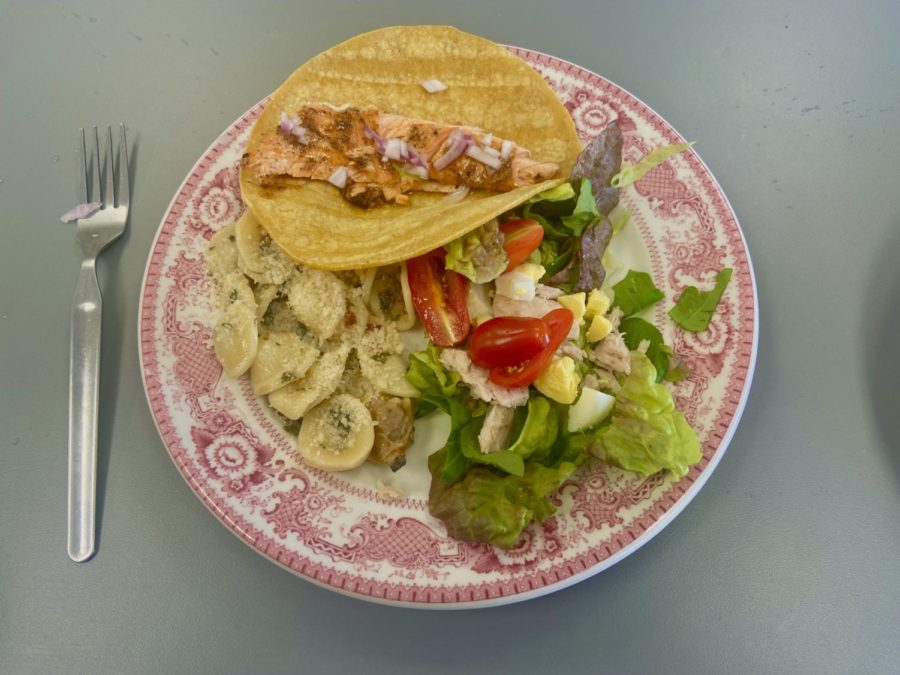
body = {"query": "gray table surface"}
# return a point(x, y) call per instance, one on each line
point(787, 561)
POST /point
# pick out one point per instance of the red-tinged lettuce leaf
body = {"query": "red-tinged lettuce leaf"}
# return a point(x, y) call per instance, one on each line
point(584, 270)
point(484, 506)
point(600, 160)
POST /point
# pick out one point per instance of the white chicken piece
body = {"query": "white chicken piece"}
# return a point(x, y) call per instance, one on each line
point(615, 317)
point(612, 354)
point(570, 349)
point(478, 382)
point(548, 292)
point(602, 380)
point(498, 424)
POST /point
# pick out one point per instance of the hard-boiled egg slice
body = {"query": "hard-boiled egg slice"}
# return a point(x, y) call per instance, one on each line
point(590, 409)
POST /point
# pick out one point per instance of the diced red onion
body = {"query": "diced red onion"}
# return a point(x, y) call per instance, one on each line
point(392, 149)
point(487, 140)
point(419, 171)
point(398, 149)
point(376, 138)
point(290, 126)
point(458, 144)
point(339, 177)
point(506, 149)
point(457, 195)
point(287, 123)
point(417, 158)
point(433, 86)
point(480, 155)
point(80, 211)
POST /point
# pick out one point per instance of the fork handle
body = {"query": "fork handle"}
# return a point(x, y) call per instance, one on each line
point(84, 388)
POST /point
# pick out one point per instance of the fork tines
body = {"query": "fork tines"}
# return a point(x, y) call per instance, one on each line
point(114, 169)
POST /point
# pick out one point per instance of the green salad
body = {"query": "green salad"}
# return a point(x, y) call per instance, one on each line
point(553, 366)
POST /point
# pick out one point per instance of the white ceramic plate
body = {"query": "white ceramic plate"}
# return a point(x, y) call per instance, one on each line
point(335, 530)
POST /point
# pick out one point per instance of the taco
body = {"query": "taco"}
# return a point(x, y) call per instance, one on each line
point(355, 164)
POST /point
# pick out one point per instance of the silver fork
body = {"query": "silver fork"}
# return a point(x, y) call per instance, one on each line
point(93, 233)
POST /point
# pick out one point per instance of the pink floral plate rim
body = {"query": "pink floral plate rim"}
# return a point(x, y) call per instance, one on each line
point(680, 196)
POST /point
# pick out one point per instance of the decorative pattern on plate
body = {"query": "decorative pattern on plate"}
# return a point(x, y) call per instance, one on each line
point(336, 530)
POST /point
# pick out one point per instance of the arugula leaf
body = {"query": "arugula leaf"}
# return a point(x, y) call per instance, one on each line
point(634, 172)
point(437, 386)
point(635, 330)
point(636, 292)
point(695, 308)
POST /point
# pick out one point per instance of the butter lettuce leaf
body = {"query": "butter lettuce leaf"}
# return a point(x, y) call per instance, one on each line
point(538, 433)
point(647, 434)
point(634, 172)
point(560, 193)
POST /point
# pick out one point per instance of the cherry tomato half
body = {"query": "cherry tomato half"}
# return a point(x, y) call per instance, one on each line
point(439, 297)
point(520, 238)
point(508, 341)
point(559, 321)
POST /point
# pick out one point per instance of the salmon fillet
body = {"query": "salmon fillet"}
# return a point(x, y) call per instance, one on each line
point(433, 157)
